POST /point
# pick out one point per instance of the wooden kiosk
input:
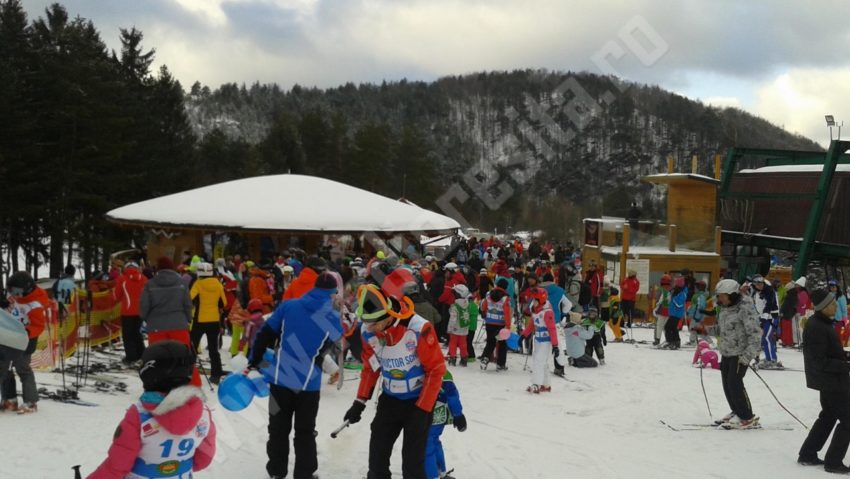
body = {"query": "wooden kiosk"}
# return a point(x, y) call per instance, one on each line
point(690, 239)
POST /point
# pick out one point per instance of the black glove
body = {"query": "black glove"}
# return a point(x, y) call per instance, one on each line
point(556, 352)
point(354, 412)
point(460, 423)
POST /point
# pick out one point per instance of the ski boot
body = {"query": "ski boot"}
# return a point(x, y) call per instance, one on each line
point(484, 363)
point(9, 405)
point(725, 419)
point(559, 372)
point(27, 408)
point(501, 368)
point(545, 389)
point(656, 342)
point(778, 365)
point(602, 361)
point(737, 423)
point(452, 360)
point(533, 389)
point(463, 362)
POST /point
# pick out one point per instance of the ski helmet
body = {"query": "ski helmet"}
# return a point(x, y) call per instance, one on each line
point(375, 305)
point(20, 284)
point(166, 365)
point(204, 269)
point(727, 286)
point(460, 291)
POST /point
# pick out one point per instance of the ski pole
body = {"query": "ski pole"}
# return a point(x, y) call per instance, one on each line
point(702, 383)
point(204, 372)
point(336, 431)
point(77, 474)
point(777, 399)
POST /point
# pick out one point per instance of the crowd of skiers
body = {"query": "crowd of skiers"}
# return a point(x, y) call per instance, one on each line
point(395, 314)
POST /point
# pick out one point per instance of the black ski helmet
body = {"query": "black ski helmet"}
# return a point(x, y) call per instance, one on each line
point(166, 365)
point(20, 284)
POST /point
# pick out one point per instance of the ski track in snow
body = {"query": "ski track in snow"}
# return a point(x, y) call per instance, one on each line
point(603, 423)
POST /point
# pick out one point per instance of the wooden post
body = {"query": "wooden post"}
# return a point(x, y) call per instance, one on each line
point(671, 238)
point(718, 161)
point(718, 237)
point(670, 164)
point(627, 234)
point(694, 164)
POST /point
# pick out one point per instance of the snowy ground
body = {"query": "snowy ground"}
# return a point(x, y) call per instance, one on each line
point(604, 423)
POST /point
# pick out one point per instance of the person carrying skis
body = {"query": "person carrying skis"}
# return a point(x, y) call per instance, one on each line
point(306, 329)
point(496, 311)
point(739, 337)
point(30, 305)
point(401, 349)
point(767, 307)
point(169, 431)
point(828, 372)
point(543, 326)
point(447, 410)
point(460, 318)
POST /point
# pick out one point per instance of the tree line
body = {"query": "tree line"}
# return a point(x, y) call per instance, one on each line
point(84, 129)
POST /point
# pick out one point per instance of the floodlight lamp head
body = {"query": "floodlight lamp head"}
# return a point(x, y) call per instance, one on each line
point(830, 120)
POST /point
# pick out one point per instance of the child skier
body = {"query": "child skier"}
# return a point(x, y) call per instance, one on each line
point(542, 324)
point(616, 315)
point(594, 323)
point(169, 432)
point(704, 356)
point(447, 410)
point(662, 305)
point(576, 341)
point(252, 325)
point(460, 317)
point(699, 303)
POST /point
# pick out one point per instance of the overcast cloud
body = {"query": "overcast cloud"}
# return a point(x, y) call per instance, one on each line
point(783, 60)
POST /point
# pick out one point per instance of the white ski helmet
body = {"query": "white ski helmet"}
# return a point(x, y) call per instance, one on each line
point(205, 269)
point(451, 266)
point(461, 291)
point(727, 286)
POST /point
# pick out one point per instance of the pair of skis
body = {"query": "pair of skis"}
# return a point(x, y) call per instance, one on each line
point(722, 427)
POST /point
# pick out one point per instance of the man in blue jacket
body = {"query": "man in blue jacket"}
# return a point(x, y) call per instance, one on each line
point(305, 329)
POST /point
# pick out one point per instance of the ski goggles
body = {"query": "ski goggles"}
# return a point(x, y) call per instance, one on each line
point(369, 292)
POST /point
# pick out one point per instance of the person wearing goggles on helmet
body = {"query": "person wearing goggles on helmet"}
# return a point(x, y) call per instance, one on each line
point(401, 350)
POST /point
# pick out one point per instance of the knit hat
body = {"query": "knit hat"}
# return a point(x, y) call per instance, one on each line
point(317, 264)
point(325, 281)
point(164, 262)
point(801, 282)
point(821, 298)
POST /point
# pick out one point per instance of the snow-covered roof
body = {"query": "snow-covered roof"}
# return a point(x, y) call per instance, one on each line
point(678, 177)
point(655, 251)
point(283, 203)
point(796, 169)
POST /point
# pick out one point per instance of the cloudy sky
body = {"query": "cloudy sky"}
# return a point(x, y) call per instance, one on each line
point(783, 60)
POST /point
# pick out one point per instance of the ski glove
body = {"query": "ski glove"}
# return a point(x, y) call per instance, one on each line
point(354, 412)
point(460, 423)
point(556, 352)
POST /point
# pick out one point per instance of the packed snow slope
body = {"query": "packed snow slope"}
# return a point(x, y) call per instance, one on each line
point(602, 423)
